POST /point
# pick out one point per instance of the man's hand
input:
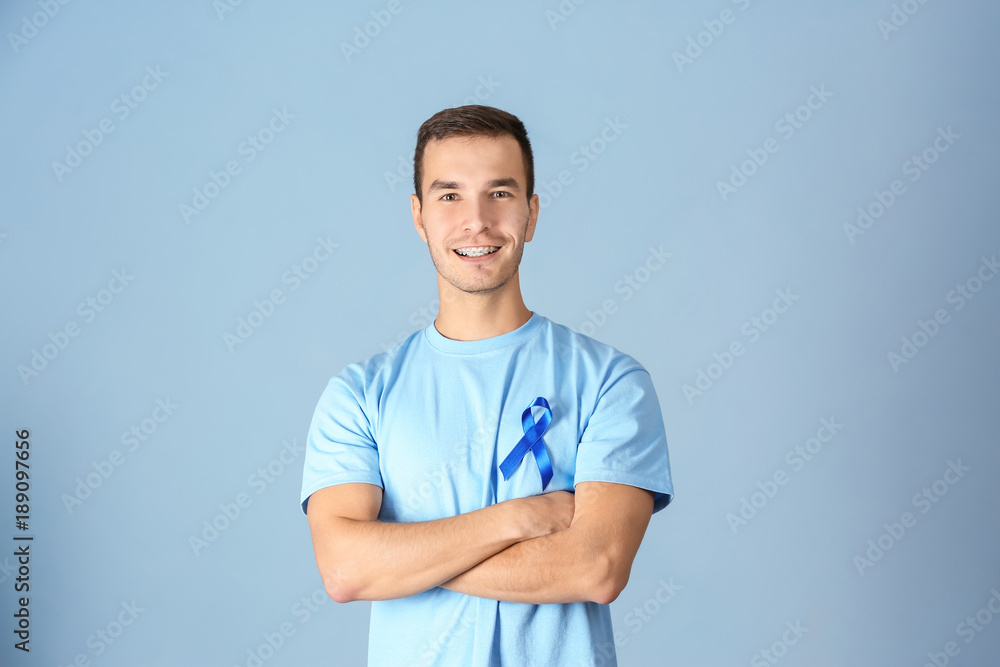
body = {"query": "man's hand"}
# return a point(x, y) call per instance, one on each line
point(589, 561)
point(545, 514)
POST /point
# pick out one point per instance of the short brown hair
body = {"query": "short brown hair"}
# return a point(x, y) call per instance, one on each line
point(469, 121)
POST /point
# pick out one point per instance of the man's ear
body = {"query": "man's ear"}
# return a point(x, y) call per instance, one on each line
point(532, 217)
point(418, 222)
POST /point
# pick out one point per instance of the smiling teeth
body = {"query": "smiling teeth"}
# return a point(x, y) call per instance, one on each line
point(477, 252)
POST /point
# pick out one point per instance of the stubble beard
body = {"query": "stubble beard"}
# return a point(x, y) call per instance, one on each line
point(476, 284)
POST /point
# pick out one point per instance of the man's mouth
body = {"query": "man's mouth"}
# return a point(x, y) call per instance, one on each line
point(477, 251)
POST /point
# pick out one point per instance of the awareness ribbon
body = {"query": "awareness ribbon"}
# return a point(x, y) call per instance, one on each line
point(532, 439)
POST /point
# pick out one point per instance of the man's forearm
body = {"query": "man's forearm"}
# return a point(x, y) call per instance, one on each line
point(588, 561)
point(554, 568)
point(376, 560)
point(361, 558)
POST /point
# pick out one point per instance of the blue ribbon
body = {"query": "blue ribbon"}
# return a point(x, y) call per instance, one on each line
point(532, 439)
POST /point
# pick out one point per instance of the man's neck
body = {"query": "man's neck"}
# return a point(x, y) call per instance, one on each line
point(465, 316)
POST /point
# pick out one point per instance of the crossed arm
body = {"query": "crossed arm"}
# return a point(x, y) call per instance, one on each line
point(553, 548)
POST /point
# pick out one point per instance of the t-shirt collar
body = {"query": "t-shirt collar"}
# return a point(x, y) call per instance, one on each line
point(511, 338)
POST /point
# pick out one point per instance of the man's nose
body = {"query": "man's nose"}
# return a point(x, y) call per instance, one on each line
point(477, 215)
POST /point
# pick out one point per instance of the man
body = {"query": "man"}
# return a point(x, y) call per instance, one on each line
point(472, 555)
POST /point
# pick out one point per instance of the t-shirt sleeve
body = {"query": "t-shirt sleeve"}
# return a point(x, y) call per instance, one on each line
point(340, 447)
point(624, 441)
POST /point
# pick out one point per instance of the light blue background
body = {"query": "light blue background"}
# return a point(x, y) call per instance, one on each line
point(655, 185)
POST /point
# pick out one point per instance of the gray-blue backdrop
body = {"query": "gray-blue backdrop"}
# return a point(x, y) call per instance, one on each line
point(781, 209)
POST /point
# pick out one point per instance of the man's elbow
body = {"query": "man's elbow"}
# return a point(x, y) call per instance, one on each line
point(340, 586)
point(339, 592)
point(609, 577)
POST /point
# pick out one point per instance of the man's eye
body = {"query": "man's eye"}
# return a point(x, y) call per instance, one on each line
point(447, 197)
point(501, 192)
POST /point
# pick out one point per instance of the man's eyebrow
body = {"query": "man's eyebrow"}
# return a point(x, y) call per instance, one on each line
point(455, 185)
point(504, 183)
point(444, 185)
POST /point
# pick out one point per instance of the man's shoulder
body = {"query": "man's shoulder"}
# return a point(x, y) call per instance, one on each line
point(596, 353)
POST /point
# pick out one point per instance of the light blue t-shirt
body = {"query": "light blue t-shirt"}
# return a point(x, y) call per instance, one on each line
point(430, 421)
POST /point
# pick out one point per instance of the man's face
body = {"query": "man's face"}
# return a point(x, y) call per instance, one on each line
point(474, 198)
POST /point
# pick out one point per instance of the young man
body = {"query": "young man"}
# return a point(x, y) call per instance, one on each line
point(474, 555)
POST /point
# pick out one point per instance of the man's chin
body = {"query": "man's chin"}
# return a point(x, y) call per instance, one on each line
point(481, 289)
point(484, 287)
